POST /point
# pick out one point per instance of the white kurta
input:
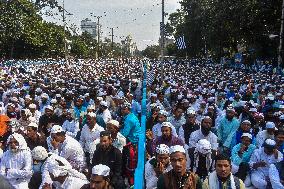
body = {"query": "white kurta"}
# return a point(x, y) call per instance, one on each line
point(259, 175)
point(150, 174)
point(197, 135)
point(19, 168)
point(274, 178)
point(88, 136)
point(73, 152)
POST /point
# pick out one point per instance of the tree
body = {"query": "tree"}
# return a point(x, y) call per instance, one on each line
point(152, 52)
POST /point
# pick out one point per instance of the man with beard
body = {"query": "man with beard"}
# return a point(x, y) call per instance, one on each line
point(222, 178)
point(167, 137)
point(178, 177)
point(33, 138)
point(107, 154)
point(16, 163)
point(260, 161)
point(43, 103)
point(90, 132)
point(189, 127)
point(203, 133)
point(70, 125)
point(46, 120)
point(265, 134)
point(157, 165)
point(67, 147)
point(227, 129)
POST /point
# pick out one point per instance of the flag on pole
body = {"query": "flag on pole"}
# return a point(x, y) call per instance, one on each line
point(150, 77)
point(181, 43)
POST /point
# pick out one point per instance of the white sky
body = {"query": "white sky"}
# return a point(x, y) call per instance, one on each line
point(138, 18)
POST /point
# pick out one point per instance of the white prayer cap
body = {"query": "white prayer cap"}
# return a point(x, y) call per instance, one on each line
point(92, 114)
point(163, 112)
point(184, 101)
point(270, 97)
point(281, 106)
point(14, 99)
point(33, 124)
point(270, 142)
point(114, 122)
point(126, 105)
point(281, 117)
point(58, 95)
point(49, 107)
point(91, 107)
point(247, 135)
point(190, 111)
point(53, 101)
point(101, 170)
point(162, 149)
point(153, 95)
point(203, 146)
point(177, 148)
point(56, 129)
point(32, 106)
point(167, 124)
point(44, 95)
point(39, 153)
point(270, 125)
point(230, 109)
point(253, 110)
point(246, 121)
point(100, 98)
point(87, 95)
point(38, 90)
point(103, 103)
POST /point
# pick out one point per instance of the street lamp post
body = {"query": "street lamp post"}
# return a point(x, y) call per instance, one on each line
point(280, 55)
point(64, 32)
point(162, 38)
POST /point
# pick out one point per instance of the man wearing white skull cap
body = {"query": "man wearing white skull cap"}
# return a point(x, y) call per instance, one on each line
point(260, 161)
point(68, 147)
point(16, 163)
point(99, 178)
point(63, 175)
point(157, 165)
point(167, 137)
point(202, 159)
point(178, 177)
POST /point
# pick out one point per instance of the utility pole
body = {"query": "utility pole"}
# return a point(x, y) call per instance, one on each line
point(98, 45)
point(162, 38)
point(111, 40)
point(280, 55)
point(64, 26)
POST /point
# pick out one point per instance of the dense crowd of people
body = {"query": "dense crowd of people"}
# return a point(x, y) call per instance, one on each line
point(77, 125)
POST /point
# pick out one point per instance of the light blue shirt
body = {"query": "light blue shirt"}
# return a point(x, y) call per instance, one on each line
point(131, 128)
point(236, 159)
point(226, 131)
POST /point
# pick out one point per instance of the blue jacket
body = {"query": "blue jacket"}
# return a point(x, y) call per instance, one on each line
point(131, 128)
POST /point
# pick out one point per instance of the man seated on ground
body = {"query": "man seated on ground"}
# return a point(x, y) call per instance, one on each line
point(241, 154)
point(157, 165)
point(260, 161)
point(178, 177)
point(222, 177)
